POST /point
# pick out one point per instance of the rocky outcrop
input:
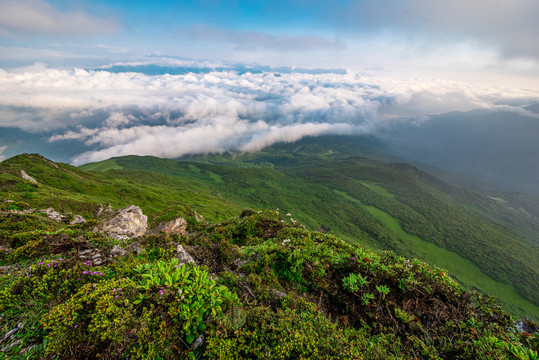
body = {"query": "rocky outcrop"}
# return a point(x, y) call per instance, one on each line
point(77, 219)
point(25, 176)
point(93, 255)
point(54, 215)
point(125, 223)
point(177, 226)
point(118, 251)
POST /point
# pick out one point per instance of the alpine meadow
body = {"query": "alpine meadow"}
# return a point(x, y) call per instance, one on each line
point(269, 180)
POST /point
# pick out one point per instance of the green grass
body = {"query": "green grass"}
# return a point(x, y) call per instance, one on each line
point(296, 294)
point(216, 178)
point(377, 189)
point(303, 185)
point(460, 268)
point(109, 164)
point(294, 182)
point(194, 169)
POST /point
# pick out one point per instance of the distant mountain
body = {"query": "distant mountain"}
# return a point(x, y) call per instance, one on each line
point(497, 147)
point(17, 141)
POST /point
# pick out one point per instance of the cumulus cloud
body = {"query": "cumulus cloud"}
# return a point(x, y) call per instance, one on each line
point(116, 114)
point(253, 40)
point(31, 17)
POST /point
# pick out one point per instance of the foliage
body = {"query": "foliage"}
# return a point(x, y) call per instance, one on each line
point(264, 286)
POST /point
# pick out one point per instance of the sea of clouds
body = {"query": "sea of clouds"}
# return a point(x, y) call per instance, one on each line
point(129, 112)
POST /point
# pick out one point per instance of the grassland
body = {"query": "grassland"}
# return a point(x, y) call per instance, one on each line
point(300, 182)
point(465, 271)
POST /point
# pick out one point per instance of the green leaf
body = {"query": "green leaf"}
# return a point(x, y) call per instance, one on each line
point(190, 338)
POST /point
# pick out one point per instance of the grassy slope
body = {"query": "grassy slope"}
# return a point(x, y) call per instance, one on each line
point(280, 292)
point(70, 189)
point(297, 183)
point(304, 185)
point(465, 271)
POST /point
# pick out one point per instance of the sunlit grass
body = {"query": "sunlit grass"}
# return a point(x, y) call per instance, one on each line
point(464, 270)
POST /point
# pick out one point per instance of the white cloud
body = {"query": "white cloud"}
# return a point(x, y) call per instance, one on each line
point(37, 17)
point(171, 115)
point(2, 149)
point(253, 40)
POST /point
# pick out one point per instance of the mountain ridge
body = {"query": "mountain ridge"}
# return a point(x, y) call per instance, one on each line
point(245, 192)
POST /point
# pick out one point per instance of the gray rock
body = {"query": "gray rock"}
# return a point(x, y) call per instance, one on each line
point(25, 176)
point(183, 256)
point(5, 269)
point(86, 253)
point(13, 344)
point(54, 215)
point(239, 262)
point(526, 325)
point(134, 248)
point(118, 251)
point(94, 255)
point(126, 223)
point(199, 217)
point(279, 293)
point(77, 219)
point(177, 226)
point(199, 341)
point(11, 332)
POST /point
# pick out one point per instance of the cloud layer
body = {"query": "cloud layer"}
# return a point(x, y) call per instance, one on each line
point(32, 17)
point(254, 40)
point(117, 114)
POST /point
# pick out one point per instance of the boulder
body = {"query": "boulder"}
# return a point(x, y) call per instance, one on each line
point(25, 176)
point(177, 226)
point(183, 256)
point(117, 251)
point(198, 342)
point(54, 215)
point(77, 219)
point(125, 223)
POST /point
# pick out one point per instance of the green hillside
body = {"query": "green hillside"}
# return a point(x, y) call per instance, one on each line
point(265, 285)
point(378, 204)
point(302, 179)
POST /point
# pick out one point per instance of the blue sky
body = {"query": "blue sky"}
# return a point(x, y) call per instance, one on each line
point(168, 78)
point(485, 41)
